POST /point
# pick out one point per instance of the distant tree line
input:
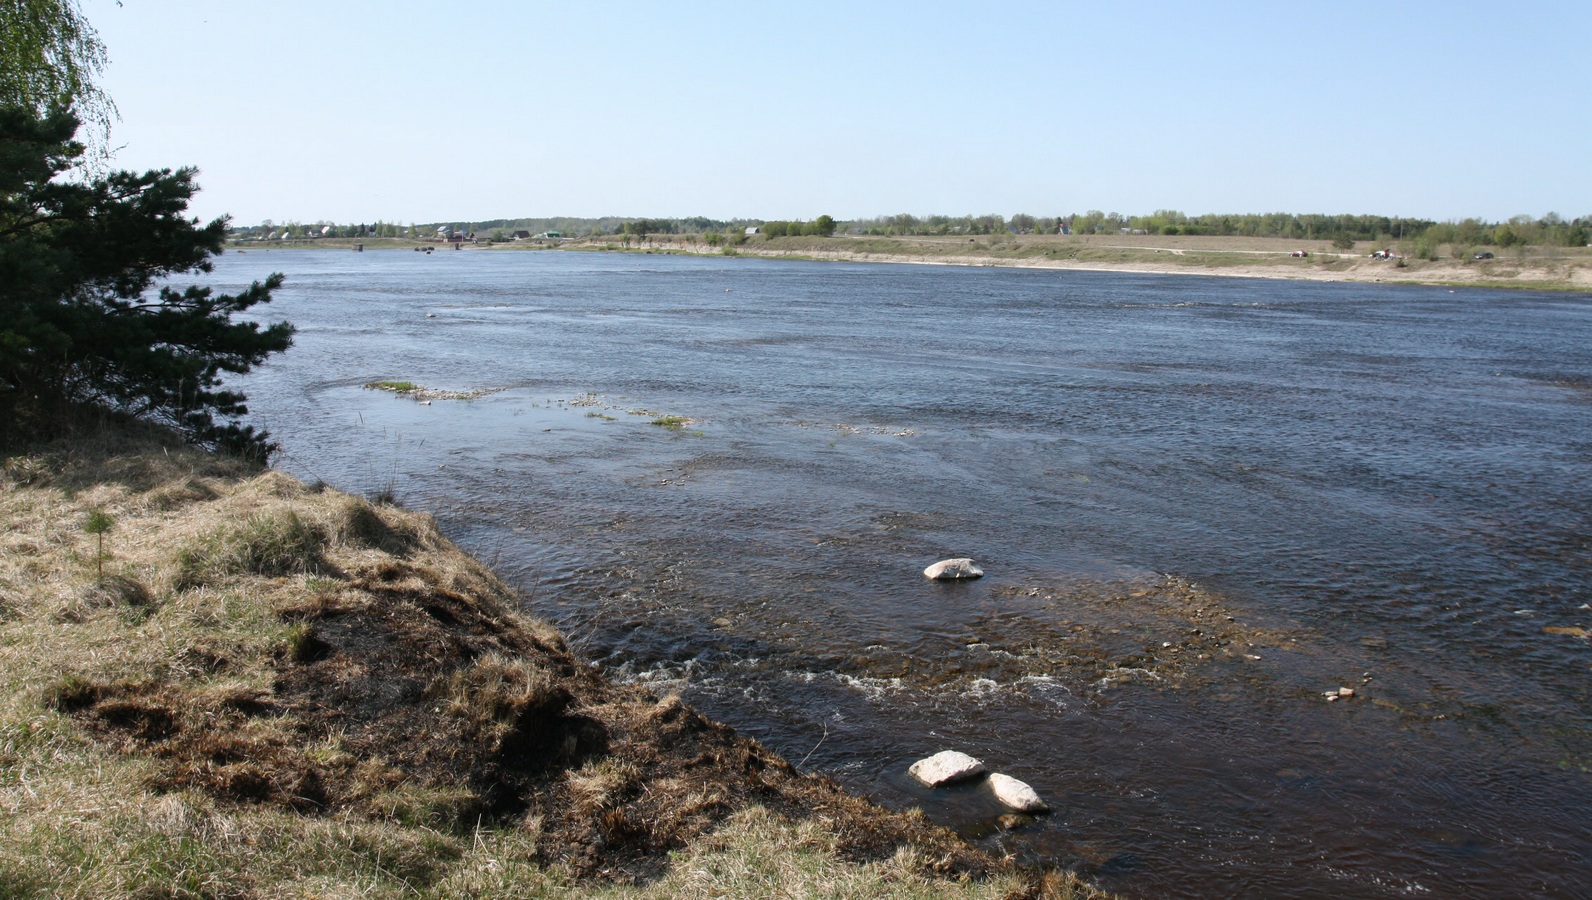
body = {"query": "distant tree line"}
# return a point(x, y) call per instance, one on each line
point(1549, 230)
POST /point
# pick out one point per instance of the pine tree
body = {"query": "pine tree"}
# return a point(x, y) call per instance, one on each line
point(81, 319)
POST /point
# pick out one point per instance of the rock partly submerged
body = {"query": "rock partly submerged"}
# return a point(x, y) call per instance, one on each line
point(946, 767)
point(953, 766)
point(960, 569)
point(1016, 794)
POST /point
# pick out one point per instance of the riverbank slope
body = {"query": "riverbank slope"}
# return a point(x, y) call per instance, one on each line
point(220, 681)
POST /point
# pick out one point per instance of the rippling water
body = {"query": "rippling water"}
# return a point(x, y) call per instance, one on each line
point(1201, 503)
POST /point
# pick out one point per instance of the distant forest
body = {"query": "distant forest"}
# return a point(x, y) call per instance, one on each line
point(1549, 230)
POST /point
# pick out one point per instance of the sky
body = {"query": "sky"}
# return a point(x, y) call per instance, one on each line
point(399, 111)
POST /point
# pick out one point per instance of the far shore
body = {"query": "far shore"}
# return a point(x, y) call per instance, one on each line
point(1530, 268)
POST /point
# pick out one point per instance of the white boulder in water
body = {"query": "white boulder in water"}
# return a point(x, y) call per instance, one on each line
point(946, 767)
point(1016, 794)
point(953, 570)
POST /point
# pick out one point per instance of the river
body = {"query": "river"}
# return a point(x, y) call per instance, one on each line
point(1201, 503)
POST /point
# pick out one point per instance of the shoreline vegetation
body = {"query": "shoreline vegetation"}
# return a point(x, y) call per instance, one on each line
point(1522, 267)
point(221, 681)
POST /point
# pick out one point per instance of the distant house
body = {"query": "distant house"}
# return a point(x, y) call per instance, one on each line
point(522, 235)
point(551, 235)
point(751, 231)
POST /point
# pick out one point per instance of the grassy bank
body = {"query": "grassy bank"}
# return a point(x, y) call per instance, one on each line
point(221, 682)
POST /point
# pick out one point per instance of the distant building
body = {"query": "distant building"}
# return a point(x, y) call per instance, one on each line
point(751, 231)
point(522, 235)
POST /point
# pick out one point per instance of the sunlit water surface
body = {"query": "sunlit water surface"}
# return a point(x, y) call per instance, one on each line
point(1382, 487)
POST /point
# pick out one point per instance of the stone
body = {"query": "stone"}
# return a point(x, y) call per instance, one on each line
point(1016, 794)
point(959, 569)
point(946, 767)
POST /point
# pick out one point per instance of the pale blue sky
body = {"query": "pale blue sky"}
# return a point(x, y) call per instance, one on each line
point(410, 111)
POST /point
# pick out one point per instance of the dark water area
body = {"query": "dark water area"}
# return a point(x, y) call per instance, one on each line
point(1201, 503)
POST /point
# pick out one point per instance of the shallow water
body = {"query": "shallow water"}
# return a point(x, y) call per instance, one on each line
point(1308, 485)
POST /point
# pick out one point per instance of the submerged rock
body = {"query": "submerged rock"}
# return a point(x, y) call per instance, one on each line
point(1016, 794)
point(953, 570)
point(946, 767)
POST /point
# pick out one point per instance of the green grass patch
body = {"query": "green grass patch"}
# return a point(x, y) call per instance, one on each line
point(396, 387)
point(673, 423)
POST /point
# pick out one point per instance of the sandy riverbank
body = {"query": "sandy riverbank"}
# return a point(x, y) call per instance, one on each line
point(1538, 269)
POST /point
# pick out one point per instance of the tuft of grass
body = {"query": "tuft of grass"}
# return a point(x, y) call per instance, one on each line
point(302, 644)
point(362, 525)
point(451, 809)
point(70, 692)
point(503, 700)
point(673, 423)
point(269, 545)
point(115, 591)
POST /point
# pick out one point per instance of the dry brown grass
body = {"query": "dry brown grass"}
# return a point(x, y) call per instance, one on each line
point(276, 691)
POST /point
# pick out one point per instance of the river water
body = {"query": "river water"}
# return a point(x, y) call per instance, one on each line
point(1201, 503)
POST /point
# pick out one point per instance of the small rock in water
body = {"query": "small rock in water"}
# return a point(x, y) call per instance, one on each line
point(1010, 822)
point(946, 767)
point(1345, 693)
point(1016, 794)
point(953, 570)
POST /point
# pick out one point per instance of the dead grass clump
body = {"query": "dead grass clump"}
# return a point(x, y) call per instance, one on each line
point(361, 525)
point(112, 592)
point(207, 656)
point(265, 544)
point(70, 692)
point(26, 471)
point(274, 484)
point(177, 494)
point(504, 701)
point(450, 809)
point(302, 644)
